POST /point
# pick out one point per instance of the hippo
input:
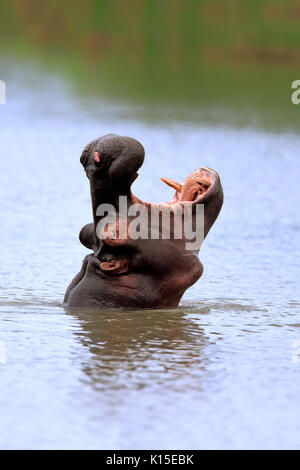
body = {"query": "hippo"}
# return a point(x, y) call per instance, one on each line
point(125, 270)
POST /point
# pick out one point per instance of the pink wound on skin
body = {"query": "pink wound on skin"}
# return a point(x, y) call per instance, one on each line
point(96, 157)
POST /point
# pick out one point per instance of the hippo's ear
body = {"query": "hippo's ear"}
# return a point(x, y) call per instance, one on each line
point(84, 159)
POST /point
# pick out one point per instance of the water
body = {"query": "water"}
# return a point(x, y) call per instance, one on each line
point(220, 371)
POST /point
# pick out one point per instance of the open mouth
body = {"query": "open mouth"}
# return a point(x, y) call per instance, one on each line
point(194, 187)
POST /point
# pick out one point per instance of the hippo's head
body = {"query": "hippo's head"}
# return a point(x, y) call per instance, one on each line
point(148, 267)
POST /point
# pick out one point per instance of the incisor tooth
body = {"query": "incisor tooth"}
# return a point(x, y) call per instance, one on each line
point(173, 184)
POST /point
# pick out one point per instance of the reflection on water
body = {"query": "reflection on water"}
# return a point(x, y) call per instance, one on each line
point(219, 371)
point(135, 348)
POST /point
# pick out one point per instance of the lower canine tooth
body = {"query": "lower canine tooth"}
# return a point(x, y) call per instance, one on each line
point(173, 184)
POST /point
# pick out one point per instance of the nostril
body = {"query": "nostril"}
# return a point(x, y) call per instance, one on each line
point(106, 257)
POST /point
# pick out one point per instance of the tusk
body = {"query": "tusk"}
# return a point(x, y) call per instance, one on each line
point(173, 184)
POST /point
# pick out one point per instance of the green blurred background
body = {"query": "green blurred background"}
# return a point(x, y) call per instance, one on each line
point(230, 61)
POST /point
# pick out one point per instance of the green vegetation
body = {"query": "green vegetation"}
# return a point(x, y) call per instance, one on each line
point(204, 55)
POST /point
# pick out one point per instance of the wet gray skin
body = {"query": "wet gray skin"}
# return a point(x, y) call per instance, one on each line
point(142, 273)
